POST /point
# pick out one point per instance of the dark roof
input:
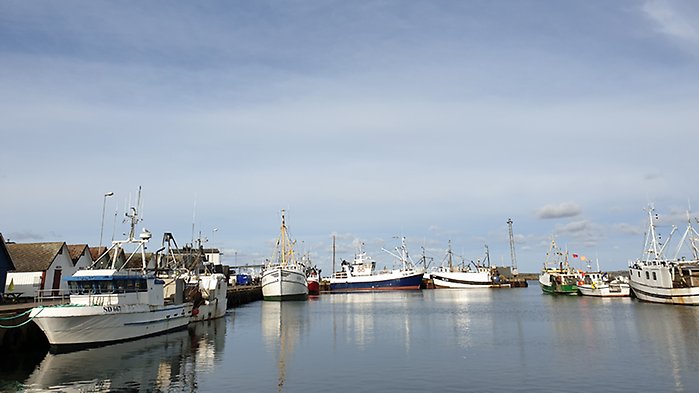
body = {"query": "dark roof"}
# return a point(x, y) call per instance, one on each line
point(75, 251)
point(95, 252)
point(34, 257)
point(5, 253)
point(136, 260)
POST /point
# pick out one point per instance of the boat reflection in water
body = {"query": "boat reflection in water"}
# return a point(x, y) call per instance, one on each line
point(282, 324)
point(369, 318)
point(164, 362)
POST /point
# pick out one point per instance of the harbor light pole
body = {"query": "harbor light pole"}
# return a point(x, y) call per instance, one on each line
point(104, 204)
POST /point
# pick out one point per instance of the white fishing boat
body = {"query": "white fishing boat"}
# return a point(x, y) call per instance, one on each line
point(205, 289)
point(284, 277)
point(598, 284)
point(113, 303)
point(658, 279)
point(473, 275)
point(361, 274)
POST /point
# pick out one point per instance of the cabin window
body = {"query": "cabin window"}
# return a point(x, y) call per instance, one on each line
point(647, 276)
point(105, 286)
point(141, 285)
point(639, 274)
point(119, 286)
point(654, 276)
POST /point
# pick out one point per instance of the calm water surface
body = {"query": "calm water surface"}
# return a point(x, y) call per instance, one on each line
point(432, 340)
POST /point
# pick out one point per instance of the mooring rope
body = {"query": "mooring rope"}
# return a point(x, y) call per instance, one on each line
point(23, 323)
point(15, 316)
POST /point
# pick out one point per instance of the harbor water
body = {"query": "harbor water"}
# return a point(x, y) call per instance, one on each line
point(476, 340)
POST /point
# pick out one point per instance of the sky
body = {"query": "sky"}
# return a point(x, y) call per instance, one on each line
point(363, 120)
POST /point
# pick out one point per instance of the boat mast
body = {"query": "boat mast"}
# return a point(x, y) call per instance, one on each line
point(283, 239)
point(449, 253)
point(333, 254)
point(513, 257)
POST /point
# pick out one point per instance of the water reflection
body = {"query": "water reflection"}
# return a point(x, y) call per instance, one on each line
point(361, 319)
point(164, 362)
point(282, 324)
point(459, 306)
point(671, 338)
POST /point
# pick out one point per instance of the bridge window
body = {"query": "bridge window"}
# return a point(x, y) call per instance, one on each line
point(647, 276)
point(654, 276)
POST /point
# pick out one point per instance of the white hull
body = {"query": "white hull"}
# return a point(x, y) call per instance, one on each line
point(88, 325)
point(604, 290)
point(463, 280)
point(284, 283)
point(654, 283)
point(214, 289)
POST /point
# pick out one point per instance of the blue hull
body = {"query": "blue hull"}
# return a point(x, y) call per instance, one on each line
point(403, 283)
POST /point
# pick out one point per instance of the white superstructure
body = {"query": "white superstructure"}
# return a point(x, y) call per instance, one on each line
point(656, 278)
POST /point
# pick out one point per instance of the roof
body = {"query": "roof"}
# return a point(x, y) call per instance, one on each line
point(34, 257)
point(95, 252)
point(75, 251)
point(136, 261)
point(5, 253)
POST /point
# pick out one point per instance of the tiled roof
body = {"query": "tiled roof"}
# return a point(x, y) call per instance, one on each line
point(34, 257)
point(95, 252)
point(76, 250)
point(136, 260)
point(3, 251)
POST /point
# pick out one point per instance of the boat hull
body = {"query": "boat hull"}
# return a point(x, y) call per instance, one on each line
point(214, 304)
point(605, 290)
point(98, 325)
point(654, 283)
point(464, 280)
point(313, 287)
point(553, 283)
point(379, 282)
point(280, 283)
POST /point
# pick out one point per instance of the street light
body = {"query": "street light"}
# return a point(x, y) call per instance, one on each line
point(213, 232)
point(104, 204)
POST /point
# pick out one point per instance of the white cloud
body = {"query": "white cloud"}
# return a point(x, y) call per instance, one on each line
point(672, 21)
point(561, 210)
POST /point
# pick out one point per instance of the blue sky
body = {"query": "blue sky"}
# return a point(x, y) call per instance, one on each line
point(368, 120)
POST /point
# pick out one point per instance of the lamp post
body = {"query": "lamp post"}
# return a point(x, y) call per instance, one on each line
point(213, 232)
point(104, 204)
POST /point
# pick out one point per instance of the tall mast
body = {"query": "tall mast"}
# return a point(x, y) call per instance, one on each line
point(283, 239)
point(333, 253)
point(449, 255)
point(513, 257)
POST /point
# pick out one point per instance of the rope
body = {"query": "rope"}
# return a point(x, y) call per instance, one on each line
point(23, 323)
point(15, 316)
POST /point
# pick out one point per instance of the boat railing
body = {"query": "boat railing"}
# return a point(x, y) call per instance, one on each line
point(53, 296)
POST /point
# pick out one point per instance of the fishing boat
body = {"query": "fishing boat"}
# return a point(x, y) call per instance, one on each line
point(658, 279)
point(115, 302)
point(557, 276)
point(313, 279)
point(473, 275)
point(284, 277)
point(361, 274)
point(204, 288)
point(598, 284)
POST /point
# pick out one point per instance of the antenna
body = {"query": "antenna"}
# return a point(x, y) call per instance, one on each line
point(513, 257)
point(194, 217)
